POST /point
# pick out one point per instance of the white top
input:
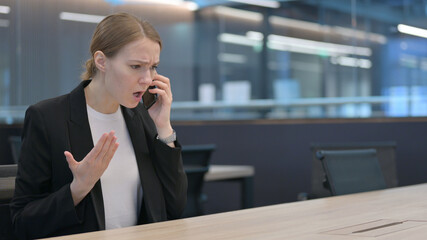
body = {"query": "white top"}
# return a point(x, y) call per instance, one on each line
point(121, 186)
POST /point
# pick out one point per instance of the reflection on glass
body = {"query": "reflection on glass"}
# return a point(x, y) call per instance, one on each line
point(235, 59)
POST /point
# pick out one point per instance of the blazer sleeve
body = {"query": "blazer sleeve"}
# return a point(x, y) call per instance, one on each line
point(169, 168)
point(36, 209)
point(168, 164)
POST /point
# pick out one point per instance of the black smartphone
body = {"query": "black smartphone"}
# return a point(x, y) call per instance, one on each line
point(148, 99)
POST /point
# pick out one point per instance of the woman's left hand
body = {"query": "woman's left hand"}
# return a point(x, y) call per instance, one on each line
point(160, 111)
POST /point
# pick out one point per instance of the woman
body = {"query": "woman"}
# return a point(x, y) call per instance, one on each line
point(69, 181)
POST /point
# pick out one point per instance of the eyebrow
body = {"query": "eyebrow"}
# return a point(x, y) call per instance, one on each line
point(143, 61)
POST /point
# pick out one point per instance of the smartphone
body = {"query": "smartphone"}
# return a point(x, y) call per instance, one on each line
point(148, 99)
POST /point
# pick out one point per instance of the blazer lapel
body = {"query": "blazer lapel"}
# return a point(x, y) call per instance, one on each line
point(81, 143)
point(152, 189)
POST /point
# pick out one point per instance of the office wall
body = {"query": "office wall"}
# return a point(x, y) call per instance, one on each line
point(280, 153)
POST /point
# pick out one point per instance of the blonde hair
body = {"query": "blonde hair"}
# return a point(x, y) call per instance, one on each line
point(113, 33)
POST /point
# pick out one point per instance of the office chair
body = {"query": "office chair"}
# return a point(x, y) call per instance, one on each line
point(197, 155)
point(196, 161)
point(7, 178)
point(15, 146)
point(351, 171)
point(386, 154)
point(195, 198)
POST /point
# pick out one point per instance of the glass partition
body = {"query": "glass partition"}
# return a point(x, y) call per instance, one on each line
point(234, 60)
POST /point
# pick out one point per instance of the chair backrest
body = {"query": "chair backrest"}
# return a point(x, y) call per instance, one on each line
point(386, 154)
point(352, 171)
point(196, 160)
point(195, 197)
point(15, 146)
point(197, 155)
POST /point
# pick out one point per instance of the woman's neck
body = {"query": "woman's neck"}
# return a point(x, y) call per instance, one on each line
point(98, 98)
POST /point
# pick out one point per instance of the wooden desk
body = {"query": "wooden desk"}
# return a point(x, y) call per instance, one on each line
point(226, 172)
point(308, 220)
point(241, 173)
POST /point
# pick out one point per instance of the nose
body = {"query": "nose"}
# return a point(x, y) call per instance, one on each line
point(147, 76)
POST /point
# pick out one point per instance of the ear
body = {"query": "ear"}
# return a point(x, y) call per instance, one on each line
point(100, 60)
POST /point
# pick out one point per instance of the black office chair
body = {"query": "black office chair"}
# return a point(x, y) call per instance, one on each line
point(351, 171)
point(195, 197)
point(197, 155)
point(7, 178)
point(15, 147)
point(196, 160)
point(386, 154)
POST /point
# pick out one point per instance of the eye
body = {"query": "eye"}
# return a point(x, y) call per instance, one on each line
point(154, 67)
point(135, 66)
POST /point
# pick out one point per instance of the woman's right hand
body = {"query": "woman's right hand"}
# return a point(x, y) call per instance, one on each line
point(88, 171)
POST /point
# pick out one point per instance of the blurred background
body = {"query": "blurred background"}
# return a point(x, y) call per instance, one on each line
point(234, 59)
point(264, 81)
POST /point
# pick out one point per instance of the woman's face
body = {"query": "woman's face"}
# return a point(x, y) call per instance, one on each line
point(130, 72)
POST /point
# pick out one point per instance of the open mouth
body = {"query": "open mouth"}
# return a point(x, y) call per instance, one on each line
point(137, 94)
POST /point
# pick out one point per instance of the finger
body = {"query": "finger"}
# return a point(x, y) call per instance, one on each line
point(111, 139)
point(98, 147)
point(161, 78)
point(106, 159)
point(110, 153)
point(161, 85)
point(162, 94)
point(70, 159)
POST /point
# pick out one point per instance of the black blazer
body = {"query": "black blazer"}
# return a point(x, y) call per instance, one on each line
point(42, 205)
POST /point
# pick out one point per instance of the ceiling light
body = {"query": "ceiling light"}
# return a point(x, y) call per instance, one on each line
point(262, 3)
point(351, 62)
point(237, 13)
point(238, 39)
point(293, 23)
point(192, 6)
point(169, 2)
point(282, 43)
point(80, 17)
point(325, 29)
point(419, 32)
point(4, 9)
point(255, 35)
point(322, 47)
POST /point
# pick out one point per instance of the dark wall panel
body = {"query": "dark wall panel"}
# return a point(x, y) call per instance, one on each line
point(5, 148)
point(282, 157)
